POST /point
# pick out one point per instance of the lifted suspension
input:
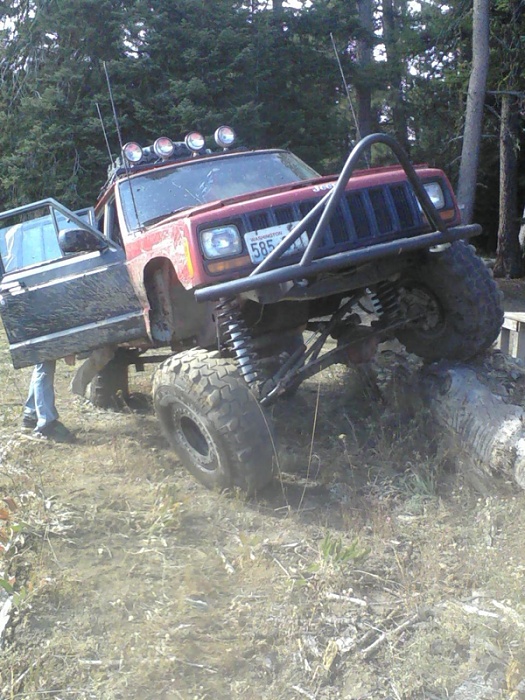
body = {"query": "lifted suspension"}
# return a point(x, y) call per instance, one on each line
point(306, 360)
point(236, 336)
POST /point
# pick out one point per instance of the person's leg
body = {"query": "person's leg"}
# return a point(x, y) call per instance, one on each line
point(44, 393)
point(29, 418)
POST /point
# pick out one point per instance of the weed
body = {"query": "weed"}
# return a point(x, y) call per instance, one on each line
point(165, 517)
point(335, 552)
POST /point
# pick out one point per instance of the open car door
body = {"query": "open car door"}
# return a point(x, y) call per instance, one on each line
point(64, 287)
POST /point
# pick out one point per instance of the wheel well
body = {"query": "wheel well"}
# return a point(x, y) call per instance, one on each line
point(175, 316)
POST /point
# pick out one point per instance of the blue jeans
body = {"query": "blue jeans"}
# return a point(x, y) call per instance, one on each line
point(40, 404)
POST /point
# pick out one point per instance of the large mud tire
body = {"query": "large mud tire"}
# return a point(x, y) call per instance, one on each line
point(110, 387)
point(213, 421)
point(464, 305)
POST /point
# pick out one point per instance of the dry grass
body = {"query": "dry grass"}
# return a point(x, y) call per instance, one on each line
point(368, 571)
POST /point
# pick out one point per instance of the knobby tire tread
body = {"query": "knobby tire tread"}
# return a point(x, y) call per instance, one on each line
point(236, 415)
point(471, 301)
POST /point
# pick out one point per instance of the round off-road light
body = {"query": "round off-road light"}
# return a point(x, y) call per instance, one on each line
point(132, 152)
point(163, 147)
point(224, 136)
point(194, 141)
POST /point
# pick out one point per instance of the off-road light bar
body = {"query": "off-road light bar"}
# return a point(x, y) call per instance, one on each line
point(224, 136)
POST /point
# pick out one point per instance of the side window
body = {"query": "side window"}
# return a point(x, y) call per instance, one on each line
point(99, 224)
point(88, 215)
point(29, 242)
point(29, 234)
point(111, 223)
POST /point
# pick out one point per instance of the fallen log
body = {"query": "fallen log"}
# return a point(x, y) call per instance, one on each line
point(474, 410)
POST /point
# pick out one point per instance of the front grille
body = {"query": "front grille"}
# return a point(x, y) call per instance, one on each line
point(362, 217)
point(382, 211)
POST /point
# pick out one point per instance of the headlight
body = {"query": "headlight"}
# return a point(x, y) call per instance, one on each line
point(435, 192)
point(221, 242)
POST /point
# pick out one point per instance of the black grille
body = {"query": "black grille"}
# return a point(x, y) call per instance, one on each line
point(362, 223)
point(260, 220)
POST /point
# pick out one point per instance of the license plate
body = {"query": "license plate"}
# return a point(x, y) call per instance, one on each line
point(260, 243)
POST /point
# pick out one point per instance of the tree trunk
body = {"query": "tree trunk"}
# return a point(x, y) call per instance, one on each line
point(485, 435)
point(391, 27)
point(508, 256)
point(278, 8)
point(364, 60)
point(522, 233)
point(474, 114)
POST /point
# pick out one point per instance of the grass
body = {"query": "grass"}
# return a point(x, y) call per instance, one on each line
point(369, 571)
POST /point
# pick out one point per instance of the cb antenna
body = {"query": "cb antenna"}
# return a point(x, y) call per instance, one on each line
point(347, 91)
point(121, 144)
point(105, 134)
point(113, 106)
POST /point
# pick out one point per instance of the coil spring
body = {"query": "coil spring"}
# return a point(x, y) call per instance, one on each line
point(236, 336)
point(386, 301)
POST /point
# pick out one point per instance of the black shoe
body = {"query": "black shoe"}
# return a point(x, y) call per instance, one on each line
point(28, 422)
point(55, 431)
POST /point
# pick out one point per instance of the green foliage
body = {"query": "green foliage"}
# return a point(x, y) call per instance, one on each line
point(174, 66)
point(267, 69)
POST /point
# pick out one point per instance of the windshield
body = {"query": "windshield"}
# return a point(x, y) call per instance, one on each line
point(158, 193)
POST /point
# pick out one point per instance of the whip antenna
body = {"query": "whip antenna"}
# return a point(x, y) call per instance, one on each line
point(345, 85)
point(113, 106)
point(105, 134)
point(117, 126)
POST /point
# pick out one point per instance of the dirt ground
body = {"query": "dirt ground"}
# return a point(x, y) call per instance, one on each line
point(369, 569)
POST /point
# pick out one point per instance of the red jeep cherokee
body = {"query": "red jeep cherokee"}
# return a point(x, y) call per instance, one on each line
point(243, 263)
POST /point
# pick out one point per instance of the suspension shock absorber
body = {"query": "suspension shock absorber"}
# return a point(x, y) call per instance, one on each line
point(236, 336)
point(385, 301)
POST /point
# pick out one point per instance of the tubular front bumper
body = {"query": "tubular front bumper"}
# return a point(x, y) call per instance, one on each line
point(299, 270)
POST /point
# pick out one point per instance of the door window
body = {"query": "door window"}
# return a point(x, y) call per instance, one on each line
point(29, 242)
point(31, 236)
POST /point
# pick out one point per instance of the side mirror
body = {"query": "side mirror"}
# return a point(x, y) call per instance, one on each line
point(80, 240)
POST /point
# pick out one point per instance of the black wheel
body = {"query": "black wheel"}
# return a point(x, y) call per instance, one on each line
point(456, 304)
point(213, 421)
point(111, 385)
